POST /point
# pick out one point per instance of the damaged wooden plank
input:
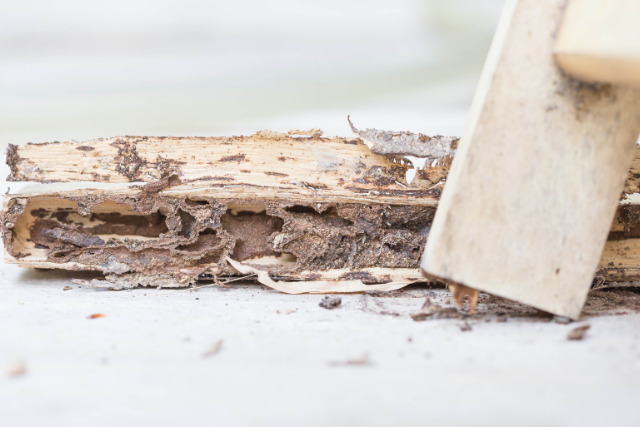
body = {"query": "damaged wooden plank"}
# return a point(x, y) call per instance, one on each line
point(335, 166)
point(304, 208)
point(358, 220)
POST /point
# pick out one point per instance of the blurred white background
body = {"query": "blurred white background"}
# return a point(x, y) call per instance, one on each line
point(84, 69)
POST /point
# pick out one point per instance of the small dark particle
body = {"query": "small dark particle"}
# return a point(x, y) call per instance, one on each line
point(66, 288)
point(363, 360)
point(236, 158)
point(465, 327)
point(330, 302)
point(578, 333)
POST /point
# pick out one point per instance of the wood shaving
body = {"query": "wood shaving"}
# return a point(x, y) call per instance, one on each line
point(407, 143)
point(316, 286)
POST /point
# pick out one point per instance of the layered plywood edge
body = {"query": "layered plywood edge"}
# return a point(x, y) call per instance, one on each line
point(171, 210)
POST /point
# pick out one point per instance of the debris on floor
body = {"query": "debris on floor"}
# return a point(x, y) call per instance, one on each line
point(434, 311)
point(215, 349)
point(17, 370)
point(330, 302)
point(96, 316)
point(578, 333)
point(465, 327)
point(363, 360)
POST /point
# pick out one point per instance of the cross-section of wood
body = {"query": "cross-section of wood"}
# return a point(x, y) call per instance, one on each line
point(301, 207)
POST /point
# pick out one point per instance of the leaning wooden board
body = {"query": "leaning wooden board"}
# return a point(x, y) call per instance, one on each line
point(533, 188)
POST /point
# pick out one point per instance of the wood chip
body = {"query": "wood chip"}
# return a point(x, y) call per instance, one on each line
point(215, 349)
point(17, 370)
point(578, 333)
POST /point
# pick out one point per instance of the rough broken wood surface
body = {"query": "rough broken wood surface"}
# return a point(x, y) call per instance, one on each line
point(341, 213)
point(302, 207)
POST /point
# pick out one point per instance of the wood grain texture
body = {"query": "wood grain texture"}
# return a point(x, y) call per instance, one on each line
point(599, 41)
point(336, 166)
point(287, 166)
point(534, 186)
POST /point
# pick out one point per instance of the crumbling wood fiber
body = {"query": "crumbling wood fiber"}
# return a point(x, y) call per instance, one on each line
point(186, 238)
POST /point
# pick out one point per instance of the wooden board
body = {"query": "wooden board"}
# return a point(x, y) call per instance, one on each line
point(265, 163)
point(328, 223)
point(299, 207)
point(535, 183)
point(599, 41)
